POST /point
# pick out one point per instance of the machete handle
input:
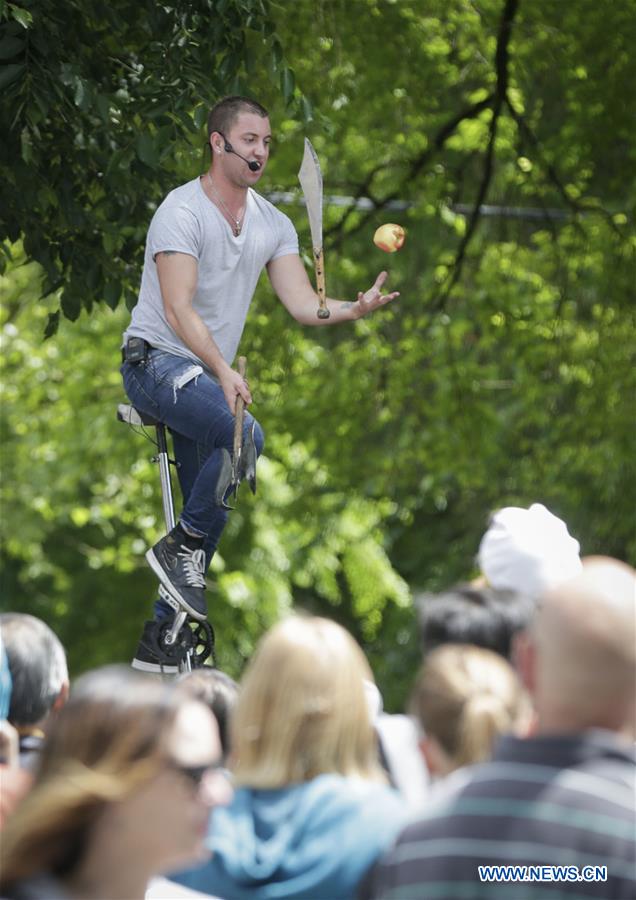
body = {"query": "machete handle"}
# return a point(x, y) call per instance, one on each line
point(319, 265)
point(240, 409)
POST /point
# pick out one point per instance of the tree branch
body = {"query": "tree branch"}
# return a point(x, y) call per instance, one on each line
point(502, 59)
point(335, 233)
point(554, 177)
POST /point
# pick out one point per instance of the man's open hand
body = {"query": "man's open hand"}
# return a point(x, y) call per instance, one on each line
point(370, 300)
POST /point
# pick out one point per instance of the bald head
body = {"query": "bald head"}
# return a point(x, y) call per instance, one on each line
point(584, 639)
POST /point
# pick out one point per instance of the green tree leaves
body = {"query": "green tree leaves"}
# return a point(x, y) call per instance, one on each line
point(503, 374)
point(97, 123)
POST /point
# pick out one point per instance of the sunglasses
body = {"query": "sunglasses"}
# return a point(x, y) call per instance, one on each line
point(195, 774)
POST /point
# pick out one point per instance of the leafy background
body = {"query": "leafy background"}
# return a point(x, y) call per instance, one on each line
point(497, 132)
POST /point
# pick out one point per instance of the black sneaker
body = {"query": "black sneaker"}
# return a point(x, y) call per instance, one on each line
point(149, 657)
point(178, 561)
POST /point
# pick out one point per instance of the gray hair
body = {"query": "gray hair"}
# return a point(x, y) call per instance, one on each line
point(38, 667)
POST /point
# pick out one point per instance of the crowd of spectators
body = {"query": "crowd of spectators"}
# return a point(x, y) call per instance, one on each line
point(514, 749)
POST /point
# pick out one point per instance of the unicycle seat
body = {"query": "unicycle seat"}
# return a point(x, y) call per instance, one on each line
point(133, 416)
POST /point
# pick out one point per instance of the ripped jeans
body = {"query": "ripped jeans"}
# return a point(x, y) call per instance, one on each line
point(192, 405)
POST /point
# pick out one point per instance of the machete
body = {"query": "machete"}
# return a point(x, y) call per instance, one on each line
point(310, 178)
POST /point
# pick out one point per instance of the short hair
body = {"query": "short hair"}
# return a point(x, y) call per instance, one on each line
point(466, 614)
point(38, 667)
point(466, 697)
point(302, 709)
point(219, 692)
point(224, 113)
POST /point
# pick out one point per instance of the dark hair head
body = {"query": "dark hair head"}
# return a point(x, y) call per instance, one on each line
point(110, 737)
point(114, 715)
point(466, 614)
point(37, 663)
point(224, 113)
point(219, 692)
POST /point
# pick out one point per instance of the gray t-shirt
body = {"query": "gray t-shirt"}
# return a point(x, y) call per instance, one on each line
point(228, 267)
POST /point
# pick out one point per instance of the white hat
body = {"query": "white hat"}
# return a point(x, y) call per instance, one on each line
point(528, 550)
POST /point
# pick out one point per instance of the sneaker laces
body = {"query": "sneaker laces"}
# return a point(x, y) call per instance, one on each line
point(193, 566)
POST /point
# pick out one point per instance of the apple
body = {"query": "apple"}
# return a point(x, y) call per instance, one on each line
point(389, 237)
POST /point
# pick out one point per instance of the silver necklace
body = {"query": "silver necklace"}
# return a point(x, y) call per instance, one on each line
point(237, 224)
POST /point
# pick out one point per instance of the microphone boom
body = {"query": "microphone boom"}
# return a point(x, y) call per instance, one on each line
point(251, 164)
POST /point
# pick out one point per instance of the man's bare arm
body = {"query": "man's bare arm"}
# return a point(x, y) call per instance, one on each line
point(291, 284)
point(178, 274)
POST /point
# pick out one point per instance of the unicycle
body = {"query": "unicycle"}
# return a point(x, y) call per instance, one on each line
point(182, 642)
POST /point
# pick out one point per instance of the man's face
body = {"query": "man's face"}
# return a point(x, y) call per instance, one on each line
point(250, 136)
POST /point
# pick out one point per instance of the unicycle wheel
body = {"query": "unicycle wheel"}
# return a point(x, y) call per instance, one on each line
point(202, 636)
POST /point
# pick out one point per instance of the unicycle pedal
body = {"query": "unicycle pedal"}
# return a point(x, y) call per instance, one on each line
point(167, 597)
point(194, 643)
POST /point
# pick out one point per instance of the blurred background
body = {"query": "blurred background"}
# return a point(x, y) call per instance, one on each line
point(499, 133)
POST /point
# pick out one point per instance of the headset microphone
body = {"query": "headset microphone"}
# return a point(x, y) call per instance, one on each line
point(251, 164)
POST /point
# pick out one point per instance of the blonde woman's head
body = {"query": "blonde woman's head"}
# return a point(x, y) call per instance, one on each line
point(465, 697)
point(302, 710)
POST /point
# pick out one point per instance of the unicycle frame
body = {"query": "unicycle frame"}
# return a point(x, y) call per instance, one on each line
point(162, 457)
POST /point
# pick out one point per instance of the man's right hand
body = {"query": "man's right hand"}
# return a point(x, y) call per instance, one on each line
point(234, 385)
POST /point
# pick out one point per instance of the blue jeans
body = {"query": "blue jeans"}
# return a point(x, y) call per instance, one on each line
point(193, 407)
